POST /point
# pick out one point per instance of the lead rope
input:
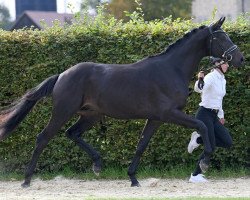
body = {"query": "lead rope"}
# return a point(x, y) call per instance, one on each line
point(200, 80)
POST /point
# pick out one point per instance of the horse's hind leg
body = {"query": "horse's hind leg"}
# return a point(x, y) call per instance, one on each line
point(60, 115)
point(41, 142)
point(74, 133)
point(147, 133)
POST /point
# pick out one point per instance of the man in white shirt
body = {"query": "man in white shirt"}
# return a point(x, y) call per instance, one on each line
point(211, 112)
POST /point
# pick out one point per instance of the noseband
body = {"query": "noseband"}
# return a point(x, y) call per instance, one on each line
point(227, 56)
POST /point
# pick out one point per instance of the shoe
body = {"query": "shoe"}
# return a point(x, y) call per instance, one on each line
point(197, 179)
point(193, 144)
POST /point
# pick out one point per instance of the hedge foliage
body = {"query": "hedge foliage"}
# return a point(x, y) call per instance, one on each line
point(27, 57)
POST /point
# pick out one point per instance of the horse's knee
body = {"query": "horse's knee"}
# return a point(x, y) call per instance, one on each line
point(75, 131)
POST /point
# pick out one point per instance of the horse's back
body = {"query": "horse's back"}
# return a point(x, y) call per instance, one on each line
point(119, 91)
point(85, 83)
point(125, 91)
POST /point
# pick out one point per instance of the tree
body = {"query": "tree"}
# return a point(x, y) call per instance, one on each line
point(117, 8)
point(152, 9)
point(91, 4)
point(5, 21)
point(157, 9)
point(87, 4)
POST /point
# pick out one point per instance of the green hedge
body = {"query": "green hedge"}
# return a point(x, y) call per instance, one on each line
point(29, 56)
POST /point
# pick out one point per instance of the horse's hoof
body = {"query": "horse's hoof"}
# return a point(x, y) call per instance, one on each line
point(135, 184)
point(203, 165)
point(96, 169)
point(25, 185)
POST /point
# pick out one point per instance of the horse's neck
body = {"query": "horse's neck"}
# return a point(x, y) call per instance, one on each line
point(189, 56)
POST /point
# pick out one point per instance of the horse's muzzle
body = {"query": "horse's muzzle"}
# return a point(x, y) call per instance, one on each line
point(237, 61)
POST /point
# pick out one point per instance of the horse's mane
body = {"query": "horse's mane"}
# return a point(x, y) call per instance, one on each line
point(179, 41)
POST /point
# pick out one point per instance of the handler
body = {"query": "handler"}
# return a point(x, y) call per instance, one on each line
point(212, 90)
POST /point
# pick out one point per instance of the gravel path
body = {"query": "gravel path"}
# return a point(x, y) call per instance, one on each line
point(71, 189)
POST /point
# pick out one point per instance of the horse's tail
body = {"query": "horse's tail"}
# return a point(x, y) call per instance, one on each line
point(12, 116)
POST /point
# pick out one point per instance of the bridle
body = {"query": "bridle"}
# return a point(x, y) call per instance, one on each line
point(227, 56)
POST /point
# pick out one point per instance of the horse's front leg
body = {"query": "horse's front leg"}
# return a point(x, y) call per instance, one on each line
point(178, 117)
point(146, 135)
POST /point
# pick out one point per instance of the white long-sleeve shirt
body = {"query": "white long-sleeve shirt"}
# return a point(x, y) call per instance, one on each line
point(213, 91)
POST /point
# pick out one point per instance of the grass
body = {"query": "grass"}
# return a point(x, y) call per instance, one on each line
point(121, 173)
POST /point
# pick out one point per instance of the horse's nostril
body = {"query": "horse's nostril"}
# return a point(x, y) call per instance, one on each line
point(242, 59)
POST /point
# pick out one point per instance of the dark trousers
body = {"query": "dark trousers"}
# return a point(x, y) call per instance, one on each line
point(218, 135)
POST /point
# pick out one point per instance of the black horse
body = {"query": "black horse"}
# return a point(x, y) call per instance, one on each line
point(154, 88)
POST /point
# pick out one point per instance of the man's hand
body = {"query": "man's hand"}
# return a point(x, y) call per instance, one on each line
point(222, 121)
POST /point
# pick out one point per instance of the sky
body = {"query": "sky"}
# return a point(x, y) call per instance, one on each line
point(61, 6)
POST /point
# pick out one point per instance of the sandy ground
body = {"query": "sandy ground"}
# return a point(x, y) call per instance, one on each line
point(65, 189)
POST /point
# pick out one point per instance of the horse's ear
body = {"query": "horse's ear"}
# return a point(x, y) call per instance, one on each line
point(219, 23)
point(221, 20)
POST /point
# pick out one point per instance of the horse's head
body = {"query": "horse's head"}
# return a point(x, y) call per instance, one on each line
point(220, 45)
